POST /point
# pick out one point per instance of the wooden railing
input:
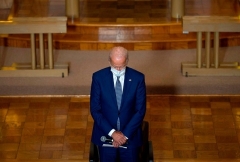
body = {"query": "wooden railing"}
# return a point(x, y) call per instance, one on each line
point(211, 25)
point(35, 26)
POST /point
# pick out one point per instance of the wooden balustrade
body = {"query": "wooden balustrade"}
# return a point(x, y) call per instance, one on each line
point(212, 26)
point(36, 26)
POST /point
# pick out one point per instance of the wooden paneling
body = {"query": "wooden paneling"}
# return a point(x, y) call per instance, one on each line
point(136, 25)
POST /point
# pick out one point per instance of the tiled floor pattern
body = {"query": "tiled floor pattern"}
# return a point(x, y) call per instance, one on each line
point(58, 128)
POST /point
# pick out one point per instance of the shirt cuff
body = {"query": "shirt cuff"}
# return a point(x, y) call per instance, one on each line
point(111, 132)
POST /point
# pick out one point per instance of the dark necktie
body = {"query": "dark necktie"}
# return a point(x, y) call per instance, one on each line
point(118, 91)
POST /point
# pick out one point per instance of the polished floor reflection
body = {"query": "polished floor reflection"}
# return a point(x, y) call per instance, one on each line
point(196, 128)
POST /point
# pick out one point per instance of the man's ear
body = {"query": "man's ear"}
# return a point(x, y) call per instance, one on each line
point(127, 61)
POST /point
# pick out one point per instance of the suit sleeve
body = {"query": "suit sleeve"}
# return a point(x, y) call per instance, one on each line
point(140, 107)
point(95, 107)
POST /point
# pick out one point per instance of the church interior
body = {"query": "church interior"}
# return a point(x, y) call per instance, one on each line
point(188, 51)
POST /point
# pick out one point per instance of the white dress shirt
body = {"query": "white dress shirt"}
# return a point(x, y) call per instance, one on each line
point(121, 79)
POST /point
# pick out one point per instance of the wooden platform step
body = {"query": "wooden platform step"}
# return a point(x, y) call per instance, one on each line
point(133, 37)
point(96, 30)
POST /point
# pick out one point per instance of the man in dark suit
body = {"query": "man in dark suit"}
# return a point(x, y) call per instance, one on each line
point(118, 106)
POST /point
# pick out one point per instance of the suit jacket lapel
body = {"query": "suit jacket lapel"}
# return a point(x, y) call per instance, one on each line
point(109, 80)
point(127, 85)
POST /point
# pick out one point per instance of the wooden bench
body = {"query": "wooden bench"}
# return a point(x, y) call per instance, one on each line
point(35, 26)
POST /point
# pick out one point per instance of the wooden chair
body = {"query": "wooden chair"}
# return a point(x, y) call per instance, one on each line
point(146, 152)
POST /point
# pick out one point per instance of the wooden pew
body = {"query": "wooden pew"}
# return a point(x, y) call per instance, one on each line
point(35, 26)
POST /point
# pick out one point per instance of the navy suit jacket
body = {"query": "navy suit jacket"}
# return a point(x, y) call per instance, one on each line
point(104, 109)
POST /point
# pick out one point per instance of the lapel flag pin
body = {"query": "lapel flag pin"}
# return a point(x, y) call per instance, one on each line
point(130, 80)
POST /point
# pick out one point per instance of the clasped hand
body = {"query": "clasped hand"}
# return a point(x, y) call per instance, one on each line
point(118, 139)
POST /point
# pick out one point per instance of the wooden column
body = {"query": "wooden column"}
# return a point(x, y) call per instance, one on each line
point(207, 49)
point(216, 49)
point(177, 8)
point(33, 51)
point(50, 51)
point(72, 8)
point(199, 49)
point(41, 50)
